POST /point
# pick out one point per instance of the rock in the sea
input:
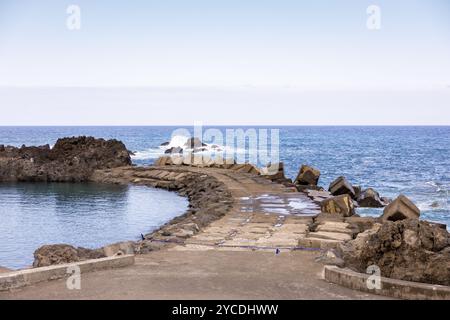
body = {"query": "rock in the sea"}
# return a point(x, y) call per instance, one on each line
point(62, 253)
point(400, 209)
point(341, 186)
point(370, 198)
point(307, 176)
point(358, 191)
point(70, 160)
point(274, 172)
point(174, 150)
point(386, 200)
point(410, 250)
point(340, 205)
point(165, 144)
point(194, 143)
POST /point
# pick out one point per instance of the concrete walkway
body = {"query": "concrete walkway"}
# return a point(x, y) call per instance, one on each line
point(232, 258)
point(202, 275)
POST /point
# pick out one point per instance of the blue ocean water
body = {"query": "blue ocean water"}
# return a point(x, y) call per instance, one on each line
point(87, 215)
point(414, 161)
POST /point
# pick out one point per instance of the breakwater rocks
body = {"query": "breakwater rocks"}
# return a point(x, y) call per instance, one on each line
point(70, 160)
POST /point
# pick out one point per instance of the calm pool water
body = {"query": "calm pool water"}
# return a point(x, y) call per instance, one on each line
point(87, 215)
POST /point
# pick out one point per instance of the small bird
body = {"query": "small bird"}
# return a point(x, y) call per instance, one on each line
point(277, 252)
point(142, 237)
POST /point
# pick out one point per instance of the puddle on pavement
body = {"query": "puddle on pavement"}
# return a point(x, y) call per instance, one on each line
point(285, 204)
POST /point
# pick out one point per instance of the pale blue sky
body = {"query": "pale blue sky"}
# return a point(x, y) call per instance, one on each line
point(311, 47)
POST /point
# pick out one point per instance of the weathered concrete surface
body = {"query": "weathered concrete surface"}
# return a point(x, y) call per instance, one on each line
point(22, 278)
point(202, 275)
point(388, 287)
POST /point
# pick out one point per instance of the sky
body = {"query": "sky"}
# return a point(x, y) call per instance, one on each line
point(224, 62)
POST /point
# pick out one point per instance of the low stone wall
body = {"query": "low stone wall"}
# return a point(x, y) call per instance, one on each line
point(18, 279)
point(389, 287)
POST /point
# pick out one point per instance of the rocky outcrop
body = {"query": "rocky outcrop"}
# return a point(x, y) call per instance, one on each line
point(194, 143)
point(409, 250)
point(308, 176)
point(70, 160)
point(174, 150)
point(400, 209)
point(62, 253)
point(370, 198)
point(340, 205)
point(341, 186)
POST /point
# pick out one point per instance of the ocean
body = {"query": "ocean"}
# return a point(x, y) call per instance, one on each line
point(414, 161)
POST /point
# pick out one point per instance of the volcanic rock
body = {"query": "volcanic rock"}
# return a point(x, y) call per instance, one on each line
point(410, 250)
point(62, 253)
point(70, 160)
point(341, 186)
point(340, 205)
point(307, 176)
point(369, 198)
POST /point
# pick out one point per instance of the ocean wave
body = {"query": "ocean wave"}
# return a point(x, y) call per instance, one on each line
point(147, 154)
point(181, 141)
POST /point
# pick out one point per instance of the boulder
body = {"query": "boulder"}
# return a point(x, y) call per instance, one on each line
point(62, 253)
point(273, 171)
point(341, 186)
point(400, 209)
point(202, 149)
point(340, 205)
point(307, 176)
point(410, 250)
point(193, 143)
point(164, 144)
point(369, 198)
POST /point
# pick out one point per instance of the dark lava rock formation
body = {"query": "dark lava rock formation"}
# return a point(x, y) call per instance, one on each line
point(62, 253)
point(70, 160)
point(409, 250)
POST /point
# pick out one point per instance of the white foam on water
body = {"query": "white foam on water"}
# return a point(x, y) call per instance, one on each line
point(147, 154)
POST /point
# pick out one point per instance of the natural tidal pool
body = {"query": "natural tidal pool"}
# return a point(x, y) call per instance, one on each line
point(81, 214)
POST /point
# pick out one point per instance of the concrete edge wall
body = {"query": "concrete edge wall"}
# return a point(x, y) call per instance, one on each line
point(389, 287)
point(22, 278)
